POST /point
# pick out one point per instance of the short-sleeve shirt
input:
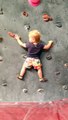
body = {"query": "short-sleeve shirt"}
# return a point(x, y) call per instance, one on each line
point(34, 51)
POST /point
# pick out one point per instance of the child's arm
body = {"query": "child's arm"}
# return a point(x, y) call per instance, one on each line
point(48, 46)
point(19, 41)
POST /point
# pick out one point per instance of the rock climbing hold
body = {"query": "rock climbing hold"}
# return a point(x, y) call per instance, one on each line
point(58, 24)
point(1, 39)
point(47, 18)
point(58, 21)
point(25, 13)
point(34, 3)
point(57, 73)
point(11, 34)
point(27, 27)
point(4, 83)
point(25, 90)
point(66, 65)
point(1, 58)
point(40, 90)
point(65, 87)
point(1, 11)
point(48, 57)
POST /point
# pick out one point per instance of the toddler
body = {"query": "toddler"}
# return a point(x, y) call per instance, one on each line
point(34, 47)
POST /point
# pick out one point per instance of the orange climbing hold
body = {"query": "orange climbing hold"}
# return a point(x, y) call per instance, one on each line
point(11, 34)
point(47, 18)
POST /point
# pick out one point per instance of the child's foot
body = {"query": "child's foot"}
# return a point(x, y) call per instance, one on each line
point(20, 77)
point(43, 80)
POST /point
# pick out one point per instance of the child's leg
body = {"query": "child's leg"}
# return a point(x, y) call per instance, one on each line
point(22, 72)
point(24, 67)
point(40, 74)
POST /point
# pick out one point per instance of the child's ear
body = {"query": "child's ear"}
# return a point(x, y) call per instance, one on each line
point(33, 39)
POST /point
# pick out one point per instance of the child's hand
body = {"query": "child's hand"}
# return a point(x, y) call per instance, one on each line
point(13, 35)
point(51, 42)
point(17, 37)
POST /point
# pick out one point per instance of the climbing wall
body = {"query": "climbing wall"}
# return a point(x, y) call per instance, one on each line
point(18, 16)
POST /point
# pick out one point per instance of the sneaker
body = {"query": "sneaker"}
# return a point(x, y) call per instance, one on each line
point(20, 77)
point(43, 80)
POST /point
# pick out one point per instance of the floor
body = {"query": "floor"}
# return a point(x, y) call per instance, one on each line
point(12, 55)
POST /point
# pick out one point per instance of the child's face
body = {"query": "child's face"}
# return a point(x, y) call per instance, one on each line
point(32, 39)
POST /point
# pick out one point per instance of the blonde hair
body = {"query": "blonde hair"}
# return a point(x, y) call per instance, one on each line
point(36, 34)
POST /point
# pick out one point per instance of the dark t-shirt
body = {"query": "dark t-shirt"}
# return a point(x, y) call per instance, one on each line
point(34, 51)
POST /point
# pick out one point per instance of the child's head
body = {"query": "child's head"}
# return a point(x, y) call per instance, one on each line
point(34, 36)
